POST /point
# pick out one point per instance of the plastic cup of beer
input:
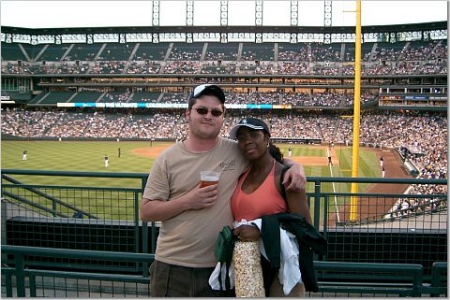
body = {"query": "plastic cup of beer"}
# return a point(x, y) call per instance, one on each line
point(209, 178)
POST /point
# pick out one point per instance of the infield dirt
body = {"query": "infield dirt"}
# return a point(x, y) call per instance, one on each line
point(304, 160)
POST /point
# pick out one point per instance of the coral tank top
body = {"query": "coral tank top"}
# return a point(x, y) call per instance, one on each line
point(265, 200)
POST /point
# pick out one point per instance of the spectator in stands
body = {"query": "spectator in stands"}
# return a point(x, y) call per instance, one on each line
point(405, 207)
point(415, 206)
point(259, 194)
point(192, 216)
point(398, 209)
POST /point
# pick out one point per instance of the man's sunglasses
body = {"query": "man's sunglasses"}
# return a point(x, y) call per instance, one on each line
point(204, 111)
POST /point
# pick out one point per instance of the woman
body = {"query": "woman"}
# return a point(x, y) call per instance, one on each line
point(259, 193)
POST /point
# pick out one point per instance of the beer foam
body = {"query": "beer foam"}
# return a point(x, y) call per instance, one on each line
point(210, 178)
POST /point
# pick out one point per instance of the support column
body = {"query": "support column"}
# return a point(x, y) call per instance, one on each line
point(294, 13)
point(327, 13)
point(155, 13)
point(190, 13)
point(223, 13)
point(259, 13)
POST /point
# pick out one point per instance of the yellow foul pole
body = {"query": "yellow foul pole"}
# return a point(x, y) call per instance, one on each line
point(356, 115)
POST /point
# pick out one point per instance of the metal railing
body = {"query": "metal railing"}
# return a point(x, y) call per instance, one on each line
point(359, 279)
point(100, 219)
point(32, 282)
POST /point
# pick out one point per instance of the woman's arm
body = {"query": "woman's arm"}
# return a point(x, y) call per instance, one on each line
point(296, 200)
point(297, 203)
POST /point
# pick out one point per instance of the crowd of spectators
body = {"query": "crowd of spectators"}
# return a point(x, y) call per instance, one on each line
point(414, 206)
point(116, 96)
point(306, 59)
point(426, 131)
point(316, 99)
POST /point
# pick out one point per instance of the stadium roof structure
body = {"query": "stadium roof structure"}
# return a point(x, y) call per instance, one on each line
point(441, 25)
point(385, 33)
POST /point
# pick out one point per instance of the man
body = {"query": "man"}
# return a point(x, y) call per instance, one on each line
point(24, 155)
point(106, 161)
point(192, 216)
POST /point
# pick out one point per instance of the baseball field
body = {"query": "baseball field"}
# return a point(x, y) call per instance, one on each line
point(138, 157)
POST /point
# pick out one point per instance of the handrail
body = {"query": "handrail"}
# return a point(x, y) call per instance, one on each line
point(415, 271)
point(71, 253)
point(439, 279)
point(38, 192)
point(142, 176)
point(310, 179)
point(72, 173)
point(411, 274)
point(21, 272)
point(142, 242)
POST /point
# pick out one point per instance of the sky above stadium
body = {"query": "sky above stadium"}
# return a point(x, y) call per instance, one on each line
point(66, 14)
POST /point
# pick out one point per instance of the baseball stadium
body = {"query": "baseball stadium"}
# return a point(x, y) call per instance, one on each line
point(87, 110)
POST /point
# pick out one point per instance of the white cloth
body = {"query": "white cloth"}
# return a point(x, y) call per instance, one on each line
point(214, 282)
point(289, 274)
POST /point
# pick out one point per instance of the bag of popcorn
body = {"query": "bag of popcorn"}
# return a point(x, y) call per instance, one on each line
point(248, 276)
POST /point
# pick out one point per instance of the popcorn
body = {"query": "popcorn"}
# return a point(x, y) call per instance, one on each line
point(248, 276)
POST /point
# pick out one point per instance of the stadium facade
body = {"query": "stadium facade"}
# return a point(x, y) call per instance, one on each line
point(60, 81)
point(402, 66)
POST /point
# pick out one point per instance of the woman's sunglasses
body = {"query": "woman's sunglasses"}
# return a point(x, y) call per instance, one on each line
point(204, 111)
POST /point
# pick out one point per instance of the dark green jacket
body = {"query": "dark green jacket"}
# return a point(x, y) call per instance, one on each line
point(308, 237)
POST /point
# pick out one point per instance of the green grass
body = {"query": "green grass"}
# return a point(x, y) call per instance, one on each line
point(77, 156)
point(368, 165)
point(300, 150)
point(89, 157)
